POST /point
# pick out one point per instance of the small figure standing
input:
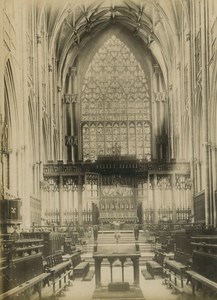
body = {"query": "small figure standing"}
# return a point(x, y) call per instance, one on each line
point(95, 232)
point(136, 232)
point(89, 234)
point(117, 236)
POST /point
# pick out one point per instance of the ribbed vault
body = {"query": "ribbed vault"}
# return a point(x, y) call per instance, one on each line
point(156, 23)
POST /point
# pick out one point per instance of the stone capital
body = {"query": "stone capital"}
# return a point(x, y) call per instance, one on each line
point(69, 98)
point(188, 36)
point(111, 260)
point(50, 67)
point(38, 38)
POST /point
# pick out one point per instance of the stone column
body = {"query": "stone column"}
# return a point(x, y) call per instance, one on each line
point(61, 201)
point(136, 270)
point(122, 267)
point(60, 123)
point(98, 271)
point(51, 103)
point(173, 199)
point(215, 201)
point(205, 106)
point(211, 181)
point(2, 108)
point(100, 260)
point(155, 199)
point(111, 260)
point(40, 101)
point(80, 190)
point(73, 204)
point(74, 114)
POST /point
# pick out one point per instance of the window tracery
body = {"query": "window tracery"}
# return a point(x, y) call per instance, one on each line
point(115, 104)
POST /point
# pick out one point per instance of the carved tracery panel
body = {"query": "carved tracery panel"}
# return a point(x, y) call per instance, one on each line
point(115, 104)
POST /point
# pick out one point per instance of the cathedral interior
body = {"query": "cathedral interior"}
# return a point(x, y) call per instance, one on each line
point(108, 149)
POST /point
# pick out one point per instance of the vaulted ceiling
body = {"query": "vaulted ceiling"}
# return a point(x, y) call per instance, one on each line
point(71, 24)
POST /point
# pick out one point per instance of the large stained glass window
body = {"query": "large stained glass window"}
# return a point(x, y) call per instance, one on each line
point(115, 104)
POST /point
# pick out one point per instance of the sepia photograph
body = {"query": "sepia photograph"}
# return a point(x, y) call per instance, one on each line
point(108, 149)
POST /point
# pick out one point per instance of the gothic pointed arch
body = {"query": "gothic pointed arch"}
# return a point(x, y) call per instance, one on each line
point(213, 121)
point(115, 104)
point(32, 129)
point(45, 138)
point(10, 134)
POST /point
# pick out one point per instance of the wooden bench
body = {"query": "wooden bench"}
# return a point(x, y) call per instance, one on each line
point(81, 269)
point(177, 269)
point(172, 282)
point(167, 276)
point(60, 275)
point(25, 288)
point(205, 282)
point(74, 257)
point(53, 260)
point(61, 283)
point(175, 288)
point(60, 267)
point(160, 256)
point(182, 257)
point(154, 268)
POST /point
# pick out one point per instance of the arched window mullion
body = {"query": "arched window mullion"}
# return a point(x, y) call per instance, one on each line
point(114, 91)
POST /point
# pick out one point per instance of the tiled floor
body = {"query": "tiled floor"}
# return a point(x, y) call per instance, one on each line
point(152, 289)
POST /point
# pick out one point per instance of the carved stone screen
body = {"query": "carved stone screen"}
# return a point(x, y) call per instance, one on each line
point(117, 198)
point(115, 104)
